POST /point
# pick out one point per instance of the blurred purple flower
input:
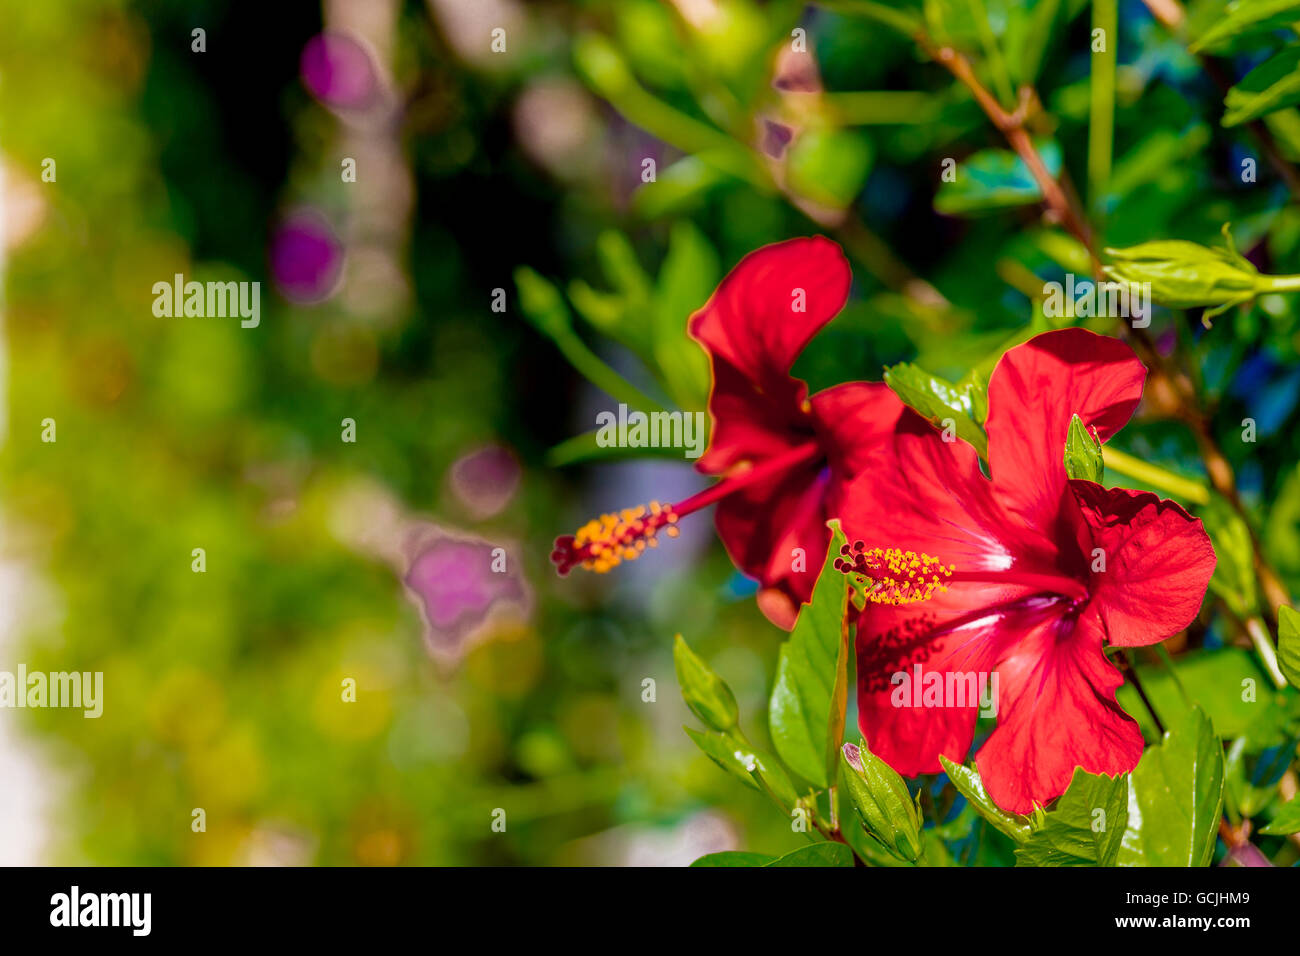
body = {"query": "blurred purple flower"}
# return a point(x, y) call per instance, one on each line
point(306, 258)
point(338, 71)
point(463, 585)
point(484, 481)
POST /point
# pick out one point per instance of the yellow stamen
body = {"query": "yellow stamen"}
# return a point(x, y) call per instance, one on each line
point(606, 542)
point(892, 575)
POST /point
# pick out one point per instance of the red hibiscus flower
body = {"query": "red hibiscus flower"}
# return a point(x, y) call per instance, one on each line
point(786, 458)
point(1039, 574)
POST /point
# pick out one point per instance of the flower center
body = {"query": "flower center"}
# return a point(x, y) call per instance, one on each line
point(891, 575)
point(606, 542)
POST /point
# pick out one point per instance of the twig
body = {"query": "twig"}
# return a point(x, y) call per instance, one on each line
point(1012, 126)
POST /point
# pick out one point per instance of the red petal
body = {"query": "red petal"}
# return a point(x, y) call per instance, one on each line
point(944, 636)
point(750, 322)
point(751, 426)
point(1033, 393)
point(762, 524)
point(1158, 562)
point(852, 422)
point(924, 494)
point(1057, 711)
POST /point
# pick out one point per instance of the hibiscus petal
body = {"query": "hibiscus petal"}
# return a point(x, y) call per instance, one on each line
point(1057, 711)
point(763, 524)
point(749, 426)
point(852, 421)
point(1033, 393)
point(1158, 562)
point(923, 494)
point(753, 323)
point(942, 636)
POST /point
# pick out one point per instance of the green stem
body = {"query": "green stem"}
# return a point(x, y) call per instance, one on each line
point(1263, 642)
point(1189, 490)
point(1125, 661)
point(606, 72)
point(1278, 284)
point(993, 54)
point(594, 369)
point(1101, 120)
point(1168, 661)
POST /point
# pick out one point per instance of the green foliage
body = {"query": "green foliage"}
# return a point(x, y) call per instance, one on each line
point(992, 180)
point(1246, 17)
point(1271, 86)
point(806, 715)
point(961, 407)
point(969, 785)
point(1234, 572)
point(1086, 826)
point(1288, 644)
point(1287, 819)
point(1175, 798)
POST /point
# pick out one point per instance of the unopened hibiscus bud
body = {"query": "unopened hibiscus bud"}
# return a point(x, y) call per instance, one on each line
point(883, 802)
point(1185, 275)
point(705, 693)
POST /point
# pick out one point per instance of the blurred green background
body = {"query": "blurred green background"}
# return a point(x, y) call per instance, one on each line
point(479, 171)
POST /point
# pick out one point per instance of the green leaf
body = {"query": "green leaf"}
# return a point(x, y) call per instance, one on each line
point(1218, 680)
point(734, 858)
point(1030, 35)
point(806, 716)
point(1083, 452)
point(1271, 86)
point(828, 166)
point(994, 179)
point(1287, 819)
point(1288, 644)
point(753, 767)
point(944, 404)
point(904, 21)
point(1176, 798)
point(969, 785)
point(1250, 780)
point(1085, 828)
point(1244, 17)
point(706, 694)
point(679, 188)
point(1234, 572)
point(690, 273)
point(585, 447)
point(882, 801)
point(542, 303)
point(817, 854)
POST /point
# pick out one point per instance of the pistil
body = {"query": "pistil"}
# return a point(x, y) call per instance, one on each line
point(606, 542)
